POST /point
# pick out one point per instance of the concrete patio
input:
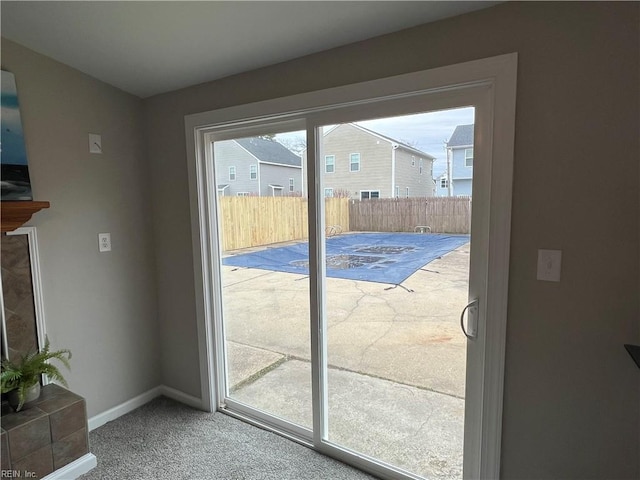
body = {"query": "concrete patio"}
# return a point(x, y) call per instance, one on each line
point(396, 359)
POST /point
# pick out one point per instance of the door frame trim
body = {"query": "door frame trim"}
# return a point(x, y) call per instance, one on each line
point(499, 75)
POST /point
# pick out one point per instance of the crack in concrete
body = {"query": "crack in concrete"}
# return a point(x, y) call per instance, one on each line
point(246, 280)
point(364, 352)
point(256, 376)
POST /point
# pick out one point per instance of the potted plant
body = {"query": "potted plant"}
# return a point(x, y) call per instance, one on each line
point(21, 379)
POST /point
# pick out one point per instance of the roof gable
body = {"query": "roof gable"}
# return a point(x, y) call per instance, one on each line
point(385, 138)
point(269, 151)
point(462, 136)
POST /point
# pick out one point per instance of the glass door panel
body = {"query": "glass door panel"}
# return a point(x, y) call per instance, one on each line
point(397, 276)
point(262, 224)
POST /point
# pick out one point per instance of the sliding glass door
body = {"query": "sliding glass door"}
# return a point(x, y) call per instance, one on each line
point(386, 269)
point(351, 254)
point(264, 297)
point(396, 279)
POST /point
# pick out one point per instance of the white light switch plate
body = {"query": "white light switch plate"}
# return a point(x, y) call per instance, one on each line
point(104, 242)
point(95, 143)
point(549, 265)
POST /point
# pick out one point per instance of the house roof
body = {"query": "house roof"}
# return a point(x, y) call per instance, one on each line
point(384, 137)
point(270, 151)
point(462, 136)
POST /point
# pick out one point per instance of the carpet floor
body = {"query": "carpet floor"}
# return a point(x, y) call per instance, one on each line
point(165, 440)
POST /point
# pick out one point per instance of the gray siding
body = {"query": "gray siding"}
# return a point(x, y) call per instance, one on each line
point(228, 153)
point(279, 175)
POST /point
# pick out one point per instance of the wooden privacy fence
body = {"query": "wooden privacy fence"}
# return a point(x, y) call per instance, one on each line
point(254, 221)
point(441, 214)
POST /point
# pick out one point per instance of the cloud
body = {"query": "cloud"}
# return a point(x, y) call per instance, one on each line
point(427, 131)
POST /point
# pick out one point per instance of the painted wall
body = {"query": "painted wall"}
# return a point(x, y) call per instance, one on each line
point(572, 395)
point(102, 306)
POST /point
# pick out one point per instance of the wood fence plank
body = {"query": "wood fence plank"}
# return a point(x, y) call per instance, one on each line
point(441, 214)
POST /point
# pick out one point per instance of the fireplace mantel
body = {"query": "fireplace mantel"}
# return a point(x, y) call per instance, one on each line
point(16, 214)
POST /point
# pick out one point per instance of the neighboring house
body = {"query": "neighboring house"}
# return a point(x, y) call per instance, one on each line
point(442, 185)
point(457, 179)
point(257, 166)
point(363, 164)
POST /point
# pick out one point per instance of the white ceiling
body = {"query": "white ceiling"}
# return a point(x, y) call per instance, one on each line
point(151, 47)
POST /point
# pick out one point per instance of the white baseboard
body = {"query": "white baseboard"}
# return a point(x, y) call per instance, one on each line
point(126, 407)
point(181, 397)
point(74, 469)
point(130, 405)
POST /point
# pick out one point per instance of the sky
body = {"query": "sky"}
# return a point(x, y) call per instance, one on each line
point(425, 131)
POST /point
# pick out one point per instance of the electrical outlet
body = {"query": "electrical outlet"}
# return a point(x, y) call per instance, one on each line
point(104, 242)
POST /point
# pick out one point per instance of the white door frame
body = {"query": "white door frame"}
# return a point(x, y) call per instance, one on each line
point(491, 83)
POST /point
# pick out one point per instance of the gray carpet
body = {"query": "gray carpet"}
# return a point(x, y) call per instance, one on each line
point(165, 440)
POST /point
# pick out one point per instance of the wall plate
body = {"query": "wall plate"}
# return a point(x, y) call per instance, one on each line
point(95, 143)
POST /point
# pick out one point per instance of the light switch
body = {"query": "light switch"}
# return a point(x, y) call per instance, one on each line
point(549, 265)
point(104, 242)
point(95, 143)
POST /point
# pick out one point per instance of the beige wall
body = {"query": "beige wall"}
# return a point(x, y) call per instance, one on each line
point(100, 306)
point(572, 395)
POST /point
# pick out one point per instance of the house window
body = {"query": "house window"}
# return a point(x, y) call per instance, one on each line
point(421, 165)
point(369, 194)
point(413, 161)
point(253, 172)
point(407, 192)
point(328, 192)
point(468, 157)
point(291, 184)
point(232, 173)
point(397, 191)
point(354, 162)
point(444, 183)
point(329, 163)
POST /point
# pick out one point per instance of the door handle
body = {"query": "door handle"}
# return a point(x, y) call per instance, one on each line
point(472, 332)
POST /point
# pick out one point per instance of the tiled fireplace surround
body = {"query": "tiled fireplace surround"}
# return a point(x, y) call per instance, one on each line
point(52, 432)
point(47, 436)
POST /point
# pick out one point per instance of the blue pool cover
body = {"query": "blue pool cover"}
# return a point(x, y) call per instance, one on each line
point(370, 257)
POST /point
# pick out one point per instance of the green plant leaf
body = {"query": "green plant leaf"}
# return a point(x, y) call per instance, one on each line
point(26, 372)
